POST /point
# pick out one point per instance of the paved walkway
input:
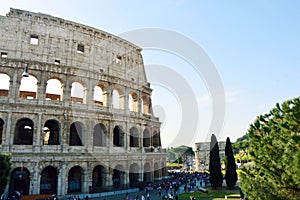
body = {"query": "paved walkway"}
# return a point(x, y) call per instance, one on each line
point(154, 195)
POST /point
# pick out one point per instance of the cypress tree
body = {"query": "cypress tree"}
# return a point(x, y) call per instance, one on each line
point(231, 175)
point(216, 177)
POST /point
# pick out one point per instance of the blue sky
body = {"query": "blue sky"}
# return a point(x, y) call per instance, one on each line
point(254, 45)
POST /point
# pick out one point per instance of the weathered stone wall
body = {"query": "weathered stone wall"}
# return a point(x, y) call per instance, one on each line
point(71, 52)
point(202, 154)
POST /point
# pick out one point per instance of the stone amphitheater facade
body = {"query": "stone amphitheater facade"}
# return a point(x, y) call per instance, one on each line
point(82, 121)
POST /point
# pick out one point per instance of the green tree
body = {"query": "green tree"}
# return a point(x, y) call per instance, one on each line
point(216, 177)
point(275, 152)
point(231, 175)
point(241, 144)
point(4, 171)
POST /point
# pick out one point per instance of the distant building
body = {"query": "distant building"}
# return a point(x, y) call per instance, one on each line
point(202, 150)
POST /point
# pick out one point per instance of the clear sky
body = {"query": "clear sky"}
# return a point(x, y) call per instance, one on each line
point(254, 46)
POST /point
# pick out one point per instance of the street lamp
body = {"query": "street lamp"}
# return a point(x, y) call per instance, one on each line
point(25, 73)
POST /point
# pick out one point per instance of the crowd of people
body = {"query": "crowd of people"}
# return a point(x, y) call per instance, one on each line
point(177, 182)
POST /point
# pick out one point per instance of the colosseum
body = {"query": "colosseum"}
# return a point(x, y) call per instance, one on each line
point(75, 108)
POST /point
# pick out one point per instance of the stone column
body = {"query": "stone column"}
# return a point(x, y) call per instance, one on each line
point(12, 90)
point(141, 172)
point(37, 135)
point(109, 98)
point(140, 102)
point(89, 98)
point(108, 177)
point(126, 102)
point(35, 180)
point(67, 94)
point(9, 135)
point(14, 86)
point(85, 188)
point(63, 189)
point(41, 90)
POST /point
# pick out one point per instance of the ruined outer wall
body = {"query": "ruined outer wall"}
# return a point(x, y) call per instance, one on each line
point(58, 39)
point(105, 59)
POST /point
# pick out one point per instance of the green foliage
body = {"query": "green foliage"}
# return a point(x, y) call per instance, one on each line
point(243, 156)
point(275, 151)
point(241, 144)
point(231, 175)
point(4, 171)
point(216, 177)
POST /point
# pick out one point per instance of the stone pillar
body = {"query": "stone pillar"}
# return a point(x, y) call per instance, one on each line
point(35, 180)
point(9, 134)
point(41, 90)
point(127, 137)
point(126, 102)
point(109, 98)
point(88, 136)
point(108, 177)
point(61, 180)
point(67, 94)
point(64, 178)
point(89, 98)
point(12, 90)
point(37, 135)
point(141, 172)
point(85, 188)
point(14, 86)
point(140, 102)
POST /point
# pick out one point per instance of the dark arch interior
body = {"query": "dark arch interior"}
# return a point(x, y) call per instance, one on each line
point(118, 139)
point(24, 132)
point(48, 181)
point(19, 181)
point(74, 180)
point(76, 134)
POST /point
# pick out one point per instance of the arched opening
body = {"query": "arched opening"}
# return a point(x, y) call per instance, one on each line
point(118, 176)
point(119, 136)
point(134, 137)
point(74, 179)
point(1, 130)
point(99, 135)
point(116, 99)
point(147, 173)
point(28, 88)
point(156, 172)
point(133, 102)
point(76, 134)
point(145, 106)
point(156, 139)
point(98, 178)
point(51, 133)
point(19, 181)
point(24, 132)
point(54, 90)
point(134, 175)
point(4, 87)
point(99, 96)
point(77, 93)
point(146, 138)
point(48, 181)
